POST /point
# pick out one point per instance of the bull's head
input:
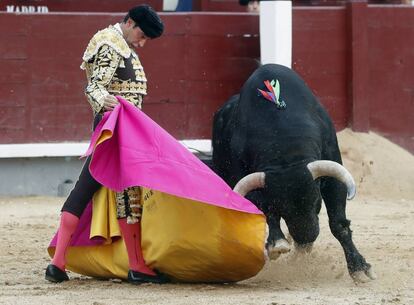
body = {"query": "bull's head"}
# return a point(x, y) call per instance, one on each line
point(294, 195)
point(317, 169)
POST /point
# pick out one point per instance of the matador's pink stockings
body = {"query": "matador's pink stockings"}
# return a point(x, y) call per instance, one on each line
point(132, 238)
point(68, 224)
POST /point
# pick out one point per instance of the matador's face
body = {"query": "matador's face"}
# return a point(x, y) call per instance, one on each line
point(253, 7)
point(133, 35)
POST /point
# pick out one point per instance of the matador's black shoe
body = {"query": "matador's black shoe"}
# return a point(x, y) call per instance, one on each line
point(135, 277)
point(55, 274)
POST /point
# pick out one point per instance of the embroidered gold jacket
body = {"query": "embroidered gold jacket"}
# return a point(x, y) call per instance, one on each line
point(112, 67)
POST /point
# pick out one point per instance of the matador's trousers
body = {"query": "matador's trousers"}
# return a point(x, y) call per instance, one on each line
point(128, 201)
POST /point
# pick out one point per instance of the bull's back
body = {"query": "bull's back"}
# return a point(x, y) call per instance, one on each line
point(280, 135)
point(223, 127)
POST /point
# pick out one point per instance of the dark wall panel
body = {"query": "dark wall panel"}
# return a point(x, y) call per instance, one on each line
point(192, 70)
point(391, 62)
point(320, 57)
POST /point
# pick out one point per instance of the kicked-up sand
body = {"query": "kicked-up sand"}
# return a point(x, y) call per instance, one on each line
point(382, 216)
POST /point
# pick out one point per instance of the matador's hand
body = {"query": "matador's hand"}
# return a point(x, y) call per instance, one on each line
point(110, 102)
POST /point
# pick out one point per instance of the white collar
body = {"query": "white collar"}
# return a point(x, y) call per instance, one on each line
point(117, 27)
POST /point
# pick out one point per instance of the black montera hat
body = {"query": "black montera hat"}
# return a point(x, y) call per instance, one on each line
point(244, 2)
point(147, 19)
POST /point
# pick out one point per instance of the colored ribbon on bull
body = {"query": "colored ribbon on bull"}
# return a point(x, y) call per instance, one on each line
point(273, 95)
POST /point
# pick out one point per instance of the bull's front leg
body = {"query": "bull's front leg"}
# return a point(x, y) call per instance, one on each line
point(276, 242)
point(334, 195)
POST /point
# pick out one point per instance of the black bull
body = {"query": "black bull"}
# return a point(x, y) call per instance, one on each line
point(254, 135)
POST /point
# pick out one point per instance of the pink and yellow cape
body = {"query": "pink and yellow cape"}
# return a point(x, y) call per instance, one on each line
point(194, 227)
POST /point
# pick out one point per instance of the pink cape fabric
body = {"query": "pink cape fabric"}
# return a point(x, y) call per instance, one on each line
point(141, 153)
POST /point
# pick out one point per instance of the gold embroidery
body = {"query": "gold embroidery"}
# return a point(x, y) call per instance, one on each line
point(133, 98)
point(105, 70)
point(122, 63)
point(99, 75)
point(129, 204)
point(109, 36)
point(139, 71)
point(128, 86)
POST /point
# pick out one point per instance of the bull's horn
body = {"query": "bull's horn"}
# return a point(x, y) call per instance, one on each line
point(333, 169)
point(249, 183)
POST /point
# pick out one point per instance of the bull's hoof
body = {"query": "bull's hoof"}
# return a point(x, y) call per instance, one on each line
point(303, 248)
point(281, 246)
point(363, 276)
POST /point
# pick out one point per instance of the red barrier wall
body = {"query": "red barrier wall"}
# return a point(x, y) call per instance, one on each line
point(199, 62)
point(391, 74)
point(320, 57)
point(358, 59)
point(76, 5)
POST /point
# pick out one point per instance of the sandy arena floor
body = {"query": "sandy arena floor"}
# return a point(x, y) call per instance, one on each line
point(382, 218)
